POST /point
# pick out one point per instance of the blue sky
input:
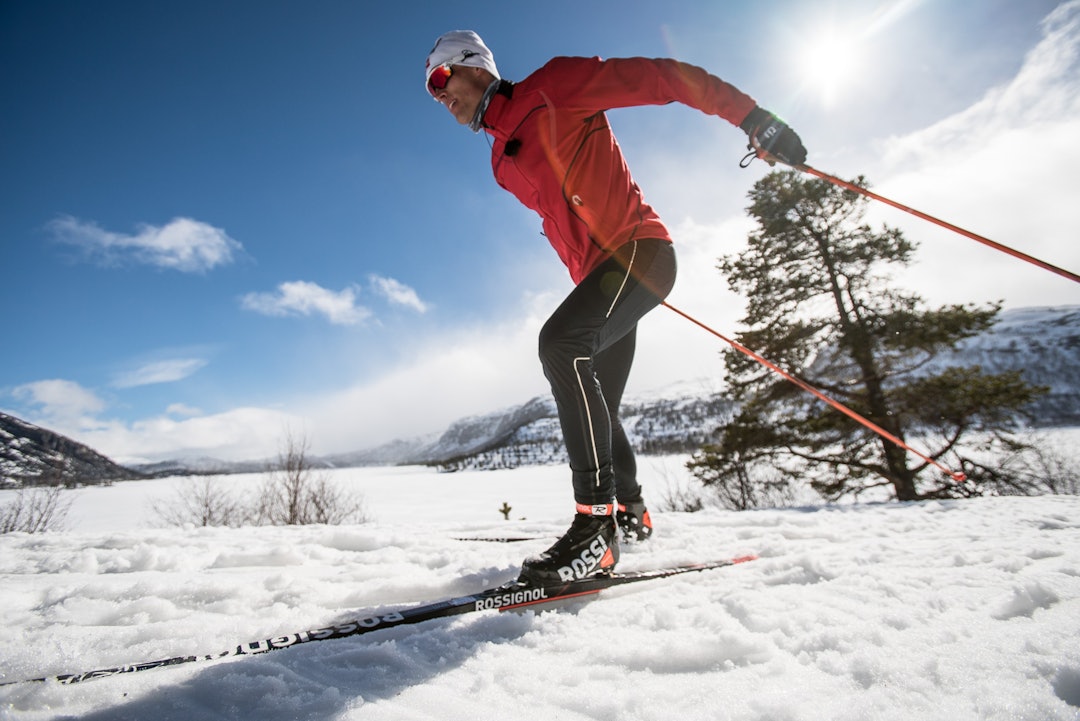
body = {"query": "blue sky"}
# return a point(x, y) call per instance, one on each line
point(222, 220)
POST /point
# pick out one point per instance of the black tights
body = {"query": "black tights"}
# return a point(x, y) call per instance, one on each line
point(587, 348)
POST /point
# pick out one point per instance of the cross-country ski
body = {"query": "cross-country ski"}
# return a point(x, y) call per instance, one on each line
point(509, 596)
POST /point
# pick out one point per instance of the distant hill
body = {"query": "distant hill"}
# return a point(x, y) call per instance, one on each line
point(530, 434)
point(31, 455)
point(1043, 343)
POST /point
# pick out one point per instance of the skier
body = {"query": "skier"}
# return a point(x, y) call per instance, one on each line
point(553, 149)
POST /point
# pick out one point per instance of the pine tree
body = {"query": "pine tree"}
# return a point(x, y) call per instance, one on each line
point(820, 306)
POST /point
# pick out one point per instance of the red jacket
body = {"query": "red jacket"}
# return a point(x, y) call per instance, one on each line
point(553, 148)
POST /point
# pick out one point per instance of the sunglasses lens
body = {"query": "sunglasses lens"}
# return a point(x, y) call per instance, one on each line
point(438, 79)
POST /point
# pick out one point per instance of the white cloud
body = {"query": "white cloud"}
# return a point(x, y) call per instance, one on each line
point(61, 402)
point(1044, 93)
point(182, 409)
point(182, 244)
point(67, 408)
point(463, 372)
point(305, 298)
point(1004, 168)
point(165, 371)
point(237, 434)
point(397, 293)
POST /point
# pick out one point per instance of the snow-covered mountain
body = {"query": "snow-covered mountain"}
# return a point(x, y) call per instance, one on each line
point(530, 434)
point(1043, 343)
point(31, 454)
point(203, 465)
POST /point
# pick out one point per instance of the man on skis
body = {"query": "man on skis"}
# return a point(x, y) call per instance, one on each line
point(553, 149)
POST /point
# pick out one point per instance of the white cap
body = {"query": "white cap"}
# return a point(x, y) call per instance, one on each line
point(460, 47)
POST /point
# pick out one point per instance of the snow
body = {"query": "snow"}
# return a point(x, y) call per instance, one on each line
point(936, 610)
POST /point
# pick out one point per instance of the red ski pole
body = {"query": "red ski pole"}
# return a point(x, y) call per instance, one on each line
point(967, 233)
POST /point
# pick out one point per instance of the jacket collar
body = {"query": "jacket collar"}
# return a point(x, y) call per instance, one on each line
point(496, 115)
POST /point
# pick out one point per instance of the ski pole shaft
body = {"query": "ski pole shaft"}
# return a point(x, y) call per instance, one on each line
point(919, 214)
point(955, 475)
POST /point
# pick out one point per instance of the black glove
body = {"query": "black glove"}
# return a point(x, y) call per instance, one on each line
point(771, 136)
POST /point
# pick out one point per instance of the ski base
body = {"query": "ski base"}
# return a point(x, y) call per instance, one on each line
point(506, 597)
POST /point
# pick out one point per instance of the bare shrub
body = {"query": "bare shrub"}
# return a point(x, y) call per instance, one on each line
point(1056, 472)
point(739, 484)
point(676, 496)
point(744, 493)
point(681, 499)
point(35, 510)
point(1050, 466)
point(1028, 466)
point(294, 493)
point(201, 502)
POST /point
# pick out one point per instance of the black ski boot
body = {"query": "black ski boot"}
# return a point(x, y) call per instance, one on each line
point(589, 548)
point(634, 521)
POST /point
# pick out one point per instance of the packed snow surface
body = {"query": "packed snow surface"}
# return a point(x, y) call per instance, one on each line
point(937, 610)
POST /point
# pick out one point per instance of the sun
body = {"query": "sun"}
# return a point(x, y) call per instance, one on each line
point(830, 63)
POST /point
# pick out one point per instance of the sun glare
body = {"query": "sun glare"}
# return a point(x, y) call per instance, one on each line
point(830, 63)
